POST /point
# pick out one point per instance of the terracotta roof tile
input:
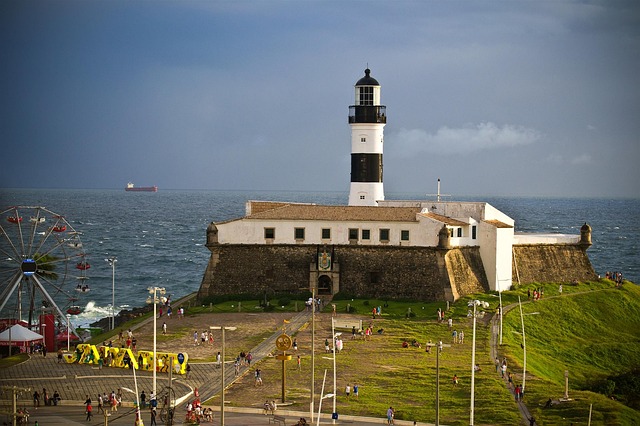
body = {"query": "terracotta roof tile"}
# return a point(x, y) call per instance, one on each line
point(336, 213)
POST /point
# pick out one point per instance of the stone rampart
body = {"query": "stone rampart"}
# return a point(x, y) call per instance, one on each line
point(410, 273)
point(415, 273)
point(559, 263)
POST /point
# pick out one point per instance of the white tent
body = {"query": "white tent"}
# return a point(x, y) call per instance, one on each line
point(19, 335)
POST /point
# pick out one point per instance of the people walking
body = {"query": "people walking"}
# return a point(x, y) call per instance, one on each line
point(89, 412)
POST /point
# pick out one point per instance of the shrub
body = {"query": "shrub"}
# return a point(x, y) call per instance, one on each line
point(284, 301)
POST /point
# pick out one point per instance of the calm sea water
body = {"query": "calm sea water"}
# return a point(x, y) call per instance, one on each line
point(158, 238)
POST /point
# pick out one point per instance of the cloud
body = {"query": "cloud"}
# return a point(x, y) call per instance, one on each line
point(559, 159)
point(581, 159)
point(467, 139)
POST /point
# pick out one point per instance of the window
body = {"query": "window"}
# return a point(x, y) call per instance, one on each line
point(384, 235)
point(326, 233)
point(404, 235)
point(473, 232)
point(451, 232)
point(298, 233)
point(269, 233)
point(459, 232)
point(363, 139)
point(374, 277)
point(353, 233)
point(362, 197)
point(366, 234)
point(366, 95)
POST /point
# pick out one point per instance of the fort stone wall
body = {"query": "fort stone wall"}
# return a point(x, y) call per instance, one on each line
point(559, 263)
point(414, 273)
point(410, 273)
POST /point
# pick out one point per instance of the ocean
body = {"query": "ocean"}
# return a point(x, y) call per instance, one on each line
point(159, 238)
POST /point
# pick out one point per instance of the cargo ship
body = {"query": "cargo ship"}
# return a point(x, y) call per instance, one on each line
point(132, 187)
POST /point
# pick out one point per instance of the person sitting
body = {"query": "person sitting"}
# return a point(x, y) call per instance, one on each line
point(415, 344)
point(266, 407)
point(476, 368)
point(548, 404)
point(405, 344)
point(208, 414)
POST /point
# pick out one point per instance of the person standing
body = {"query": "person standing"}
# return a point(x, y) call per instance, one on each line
point(153, 417)
point(89, 411)
point(356, 390)
point(299, 365)
point(36, 399)
point(347, 390)
point(390, 413)
point(164, 328)
point(100, 402)
point(143, 400)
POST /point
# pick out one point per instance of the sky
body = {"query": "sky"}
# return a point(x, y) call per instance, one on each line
point(499, 98)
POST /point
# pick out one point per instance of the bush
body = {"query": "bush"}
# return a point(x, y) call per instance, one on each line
point(284, 301)
point(365, 303)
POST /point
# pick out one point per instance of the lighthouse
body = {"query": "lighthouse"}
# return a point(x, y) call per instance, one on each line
point(367, 119)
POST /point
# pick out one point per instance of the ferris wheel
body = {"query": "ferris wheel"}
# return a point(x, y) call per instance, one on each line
point(42, 264)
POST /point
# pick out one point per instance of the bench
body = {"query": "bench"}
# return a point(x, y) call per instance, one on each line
point(274, 418)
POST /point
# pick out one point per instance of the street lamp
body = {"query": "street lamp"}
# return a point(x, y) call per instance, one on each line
point(154, 300)
point(475, 304)
point(524, 345)
point(222, 378)
point(438, 347)
point(112, 262)
point(68, 331)
point(335, 336)
point(323, 396)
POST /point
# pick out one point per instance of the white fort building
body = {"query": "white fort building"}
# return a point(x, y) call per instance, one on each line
point(431, 250)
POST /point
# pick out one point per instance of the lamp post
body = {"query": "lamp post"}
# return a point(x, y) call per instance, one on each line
point(524, 344)
point(335, 336)
point(313, 350)
point(499, 312)
point(438, 347)
point(323, 396)
point(68, 331)
point(154, 300)
point(112, 262)
point(475, 304)
point(222, 373)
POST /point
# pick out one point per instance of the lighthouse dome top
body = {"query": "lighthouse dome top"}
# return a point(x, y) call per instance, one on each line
point(367, 80)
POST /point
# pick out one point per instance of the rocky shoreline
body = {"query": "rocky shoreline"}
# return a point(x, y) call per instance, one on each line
point(121, 318)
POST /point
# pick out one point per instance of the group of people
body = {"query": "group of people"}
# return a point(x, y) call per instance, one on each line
point(536, 294)
point(269, 407)
point(615, 277)
point(202, 338)
point(46, 398)
point(105, 401)
point(197, 414)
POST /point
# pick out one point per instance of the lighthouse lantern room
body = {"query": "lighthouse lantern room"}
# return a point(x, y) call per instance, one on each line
point(367, 119)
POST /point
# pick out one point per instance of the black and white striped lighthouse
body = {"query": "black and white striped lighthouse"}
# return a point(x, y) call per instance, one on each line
point(367, 119)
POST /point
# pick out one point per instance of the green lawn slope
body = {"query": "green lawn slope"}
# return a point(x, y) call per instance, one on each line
point(592, 333)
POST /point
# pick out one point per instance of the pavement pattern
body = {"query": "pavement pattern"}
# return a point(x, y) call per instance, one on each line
point(75, 382)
